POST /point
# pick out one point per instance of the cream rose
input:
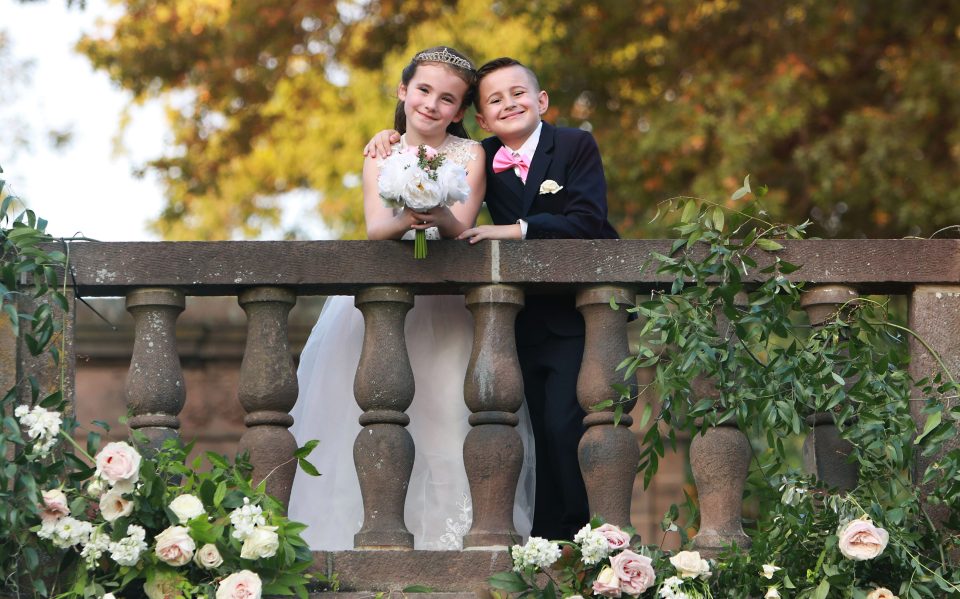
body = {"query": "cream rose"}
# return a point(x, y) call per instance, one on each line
point(119, 464)
point(772, 593)
point(881, 593)
point(262, 542)
point(861, 540)
point(109, 596)
point(54, 506)
point(616, 538)
point(769, 570)
point(606, 584)
point(689, 565)
point(174, 546)
point(240, 585)
point(163, 585)
point(634, 571)
point(208, 557)
point(186, 507)
point(113, 505)
point(550, 186)
point(96, 487)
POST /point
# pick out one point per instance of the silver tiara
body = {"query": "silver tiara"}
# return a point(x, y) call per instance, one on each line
point(444, 56)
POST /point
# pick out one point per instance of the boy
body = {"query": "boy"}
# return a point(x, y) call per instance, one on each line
point(543, 182)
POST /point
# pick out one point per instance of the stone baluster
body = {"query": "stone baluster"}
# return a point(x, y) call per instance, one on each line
point(719, 459)
point(383, 452)
point(608, 452)
point(154, 389)
point(268, 388)
point(825, 453)
point(493, 391)
point(935, 317)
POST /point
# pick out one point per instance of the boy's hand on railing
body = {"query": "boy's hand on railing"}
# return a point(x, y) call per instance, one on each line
point(492, 232)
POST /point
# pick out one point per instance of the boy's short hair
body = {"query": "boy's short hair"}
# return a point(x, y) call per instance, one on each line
point(501, 63)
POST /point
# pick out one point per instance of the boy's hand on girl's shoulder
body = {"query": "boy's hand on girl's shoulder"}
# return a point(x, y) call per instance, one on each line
point(491, 232)
point(381, 143)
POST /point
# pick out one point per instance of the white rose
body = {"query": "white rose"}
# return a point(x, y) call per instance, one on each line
point(772, 593)
point(174, 546)
point(186, 507)
point(109, 596)
point(54, 506)
point(119, 464)
point(208, 557)
point(453, 180)
point(550, 186)
point(240, 585)
point(113, 505)
point(769, 570)
point(881, 593)
point(861, 540)
point(262, 542)
point(689, 564)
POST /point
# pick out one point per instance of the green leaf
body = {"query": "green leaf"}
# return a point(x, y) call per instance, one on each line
point(822, 589)
point(508, 581)
point(689, 211)
point(418, 588)
point(768, 245)
point(308, 468)
point(933, 421)
point(743, 190)
point(307, 448)
point(718, 218)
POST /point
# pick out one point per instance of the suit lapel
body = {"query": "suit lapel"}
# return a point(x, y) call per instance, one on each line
point(538, 169)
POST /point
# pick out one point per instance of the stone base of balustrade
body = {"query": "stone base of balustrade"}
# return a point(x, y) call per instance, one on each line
point(450, 574)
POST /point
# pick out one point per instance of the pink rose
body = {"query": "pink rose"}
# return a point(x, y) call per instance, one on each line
point(616, 538)
point(174, 546)
point(240, 585)
point(119, 464)
point(861, 540)
point(54, 506)
point(606, 584)
point(881, 593)
point(634, 571)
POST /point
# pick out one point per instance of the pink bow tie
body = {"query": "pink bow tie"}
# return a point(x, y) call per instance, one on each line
point(505, 159)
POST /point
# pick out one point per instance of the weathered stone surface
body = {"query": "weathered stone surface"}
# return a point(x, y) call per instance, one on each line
point(384, 388)
point(608, 450)
point(493, 391)
point(154, 388)
point(935, 317)
point(385, 571)
point(719, 459)
point(328, 267)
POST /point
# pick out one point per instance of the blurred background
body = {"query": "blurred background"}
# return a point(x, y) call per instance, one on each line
point(247, 118)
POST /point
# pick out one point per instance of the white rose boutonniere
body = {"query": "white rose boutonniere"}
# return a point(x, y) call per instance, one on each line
point(550, 186)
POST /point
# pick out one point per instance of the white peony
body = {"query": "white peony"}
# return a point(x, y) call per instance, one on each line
point(394, 173)
point(186, 507)
point(453, 182)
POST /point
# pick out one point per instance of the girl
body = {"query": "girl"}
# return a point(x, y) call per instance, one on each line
point(434, 91)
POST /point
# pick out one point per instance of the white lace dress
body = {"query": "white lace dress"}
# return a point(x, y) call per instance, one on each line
point(439, 335)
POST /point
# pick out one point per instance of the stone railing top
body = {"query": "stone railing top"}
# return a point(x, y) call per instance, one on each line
point(343, 267)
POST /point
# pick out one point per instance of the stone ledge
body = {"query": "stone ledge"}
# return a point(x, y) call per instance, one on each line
point(395, 595)
point(449, 573)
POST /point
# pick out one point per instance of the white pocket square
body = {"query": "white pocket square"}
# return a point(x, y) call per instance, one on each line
point(550, 186)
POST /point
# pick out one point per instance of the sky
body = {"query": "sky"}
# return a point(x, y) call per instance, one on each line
point(87, 187)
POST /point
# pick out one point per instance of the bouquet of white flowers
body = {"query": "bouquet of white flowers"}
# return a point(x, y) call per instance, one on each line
point(421, 181)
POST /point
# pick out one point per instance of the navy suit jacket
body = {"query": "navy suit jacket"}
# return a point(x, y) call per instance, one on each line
point(570, 158)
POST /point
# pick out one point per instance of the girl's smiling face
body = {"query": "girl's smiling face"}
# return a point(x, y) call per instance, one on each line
point(431, 101)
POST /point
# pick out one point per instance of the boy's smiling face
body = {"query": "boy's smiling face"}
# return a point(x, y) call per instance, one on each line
point(510, 105)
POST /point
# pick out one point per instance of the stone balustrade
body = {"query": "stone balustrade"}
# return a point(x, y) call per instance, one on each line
point(267, 278)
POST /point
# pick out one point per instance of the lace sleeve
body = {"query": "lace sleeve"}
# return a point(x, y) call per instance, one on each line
point(461, 151)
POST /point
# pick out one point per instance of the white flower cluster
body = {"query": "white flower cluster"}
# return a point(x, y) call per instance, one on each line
point(538, 552)
point(127, 550)
point(670, 589)
point(66, 532)
point(97, 544)
point(594, 546)
point(41, 425)
point(403, 182)
point(246, 518)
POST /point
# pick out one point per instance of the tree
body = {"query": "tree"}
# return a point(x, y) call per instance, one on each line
point(850, 111)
